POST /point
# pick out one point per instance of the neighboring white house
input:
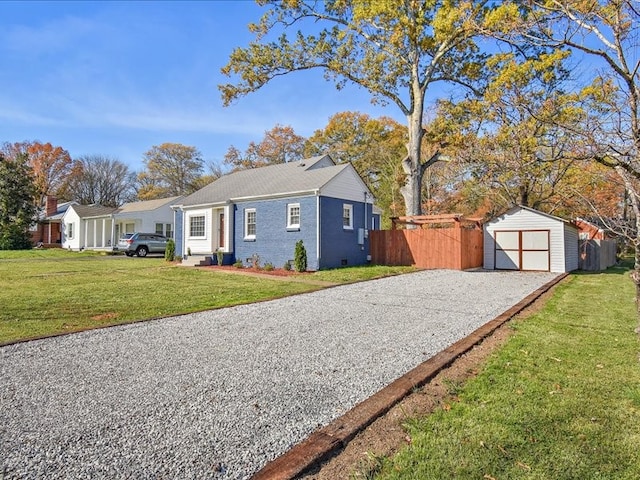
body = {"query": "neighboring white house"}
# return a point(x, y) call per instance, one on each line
point(526, 239)
point(94, 227)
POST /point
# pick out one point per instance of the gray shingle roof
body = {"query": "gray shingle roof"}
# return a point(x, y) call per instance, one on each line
point(282, 179)
point(85, 211)
point(147, 205)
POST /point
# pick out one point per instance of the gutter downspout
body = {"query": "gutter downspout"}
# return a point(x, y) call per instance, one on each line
point(318, 230)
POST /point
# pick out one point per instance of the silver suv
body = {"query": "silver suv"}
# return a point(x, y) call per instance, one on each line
point(142, 243)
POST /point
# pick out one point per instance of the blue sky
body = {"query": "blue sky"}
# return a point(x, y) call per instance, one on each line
point(116, 78)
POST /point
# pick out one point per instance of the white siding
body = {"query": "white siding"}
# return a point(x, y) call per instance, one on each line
point(518, 219)
point(198, 245)
point(571, 253)
point(346, 186)
point(71, 216)
point(145, 221)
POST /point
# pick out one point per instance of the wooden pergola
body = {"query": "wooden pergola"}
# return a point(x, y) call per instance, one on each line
point(424, 221)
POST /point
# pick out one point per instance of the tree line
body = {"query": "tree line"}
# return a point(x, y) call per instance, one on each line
point(523, 123)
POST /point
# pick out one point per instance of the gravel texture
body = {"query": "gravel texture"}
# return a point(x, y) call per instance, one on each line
point(216, 395)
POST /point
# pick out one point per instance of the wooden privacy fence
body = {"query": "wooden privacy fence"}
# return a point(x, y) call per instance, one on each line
point(448, 241)
point(597, 255)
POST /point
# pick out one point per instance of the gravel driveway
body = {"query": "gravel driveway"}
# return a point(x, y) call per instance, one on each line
point(218, 394)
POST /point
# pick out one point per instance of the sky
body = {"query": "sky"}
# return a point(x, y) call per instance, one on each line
point(118, 77)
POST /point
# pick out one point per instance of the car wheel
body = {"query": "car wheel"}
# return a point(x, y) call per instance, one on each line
point(142, 251)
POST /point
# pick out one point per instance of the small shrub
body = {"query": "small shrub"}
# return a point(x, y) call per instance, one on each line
point(219, 256)
point(255, 260)
point(287, 265)
point(189, 251)
point(268, 267)
point(170, 252)
point(238, 264)
point(300, 257)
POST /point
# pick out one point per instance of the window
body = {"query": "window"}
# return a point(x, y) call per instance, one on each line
point(196, 226)
point(169, 231)
point(347, 217)
point(293, 215)
point(250, 224)
point(159, 229)
point(69, 230)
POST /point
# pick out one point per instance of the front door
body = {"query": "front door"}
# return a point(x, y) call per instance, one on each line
point(221, 231)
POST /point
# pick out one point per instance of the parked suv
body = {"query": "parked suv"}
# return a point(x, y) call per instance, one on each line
point(142, 243)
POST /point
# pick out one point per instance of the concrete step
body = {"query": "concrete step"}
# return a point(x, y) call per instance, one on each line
point(197, 261)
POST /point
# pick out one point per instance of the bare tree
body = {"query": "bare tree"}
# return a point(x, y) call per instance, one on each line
point(97, 179)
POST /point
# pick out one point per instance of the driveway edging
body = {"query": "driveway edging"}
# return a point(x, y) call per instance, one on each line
point(325, 441)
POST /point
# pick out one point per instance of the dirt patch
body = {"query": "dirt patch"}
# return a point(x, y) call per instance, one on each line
point(275, 274)
point(386, 435)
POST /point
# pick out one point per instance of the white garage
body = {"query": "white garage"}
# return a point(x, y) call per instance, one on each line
point(526, 239)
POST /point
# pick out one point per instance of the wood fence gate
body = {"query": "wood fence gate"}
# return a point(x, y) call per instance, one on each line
point(448, 241)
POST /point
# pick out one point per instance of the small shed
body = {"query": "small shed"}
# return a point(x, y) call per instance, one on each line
point(526, 239)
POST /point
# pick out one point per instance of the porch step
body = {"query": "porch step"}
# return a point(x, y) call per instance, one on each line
point(197, 261)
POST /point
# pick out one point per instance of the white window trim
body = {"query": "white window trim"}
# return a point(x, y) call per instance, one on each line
point(70, 232)
point(347, 206)
point(247, 211)
point(290, 207)
point(204, 235)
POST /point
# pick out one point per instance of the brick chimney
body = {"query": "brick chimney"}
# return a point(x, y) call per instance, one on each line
point(51, 205)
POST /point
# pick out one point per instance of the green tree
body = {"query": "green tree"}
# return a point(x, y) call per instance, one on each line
point(17, 207)
point(280, 145)
point(51, 165)
point(512, 148)
point(171, 169)
point(395, 49)
point(373, 146)
point(300, 257)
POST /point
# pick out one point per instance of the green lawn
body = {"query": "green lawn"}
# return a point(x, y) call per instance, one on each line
point(560, 401)
point(45, 292)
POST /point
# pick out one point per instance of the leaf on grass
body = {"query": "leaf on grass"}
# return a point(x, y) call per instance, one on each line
point(599, 365)
point(524, 466)
point(488, 477)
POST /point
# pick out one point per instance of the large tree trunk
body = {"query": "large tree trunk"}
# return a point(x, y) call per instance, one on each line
point(632, 195)
point(412, 189)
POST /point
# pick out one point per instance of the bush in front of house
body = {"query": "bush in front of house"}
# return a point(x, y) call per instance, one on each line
point(170, 252)
point(219, 256)
point(300, 257)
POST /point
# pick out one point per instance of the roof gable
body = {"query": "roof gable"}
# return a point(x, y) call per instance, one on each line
point(517, 208)
point(85, 211)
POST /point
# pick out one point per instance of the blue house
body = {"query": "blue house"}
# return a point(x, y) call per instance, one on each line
point(262, 213)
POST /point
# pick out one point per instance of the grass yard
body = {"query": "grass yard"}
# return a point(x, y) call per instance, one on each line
point(561, 400)
point(44, 292)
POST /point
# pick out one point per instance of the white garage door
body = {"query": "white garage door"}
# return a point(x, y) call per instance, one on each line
point(522, 250)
